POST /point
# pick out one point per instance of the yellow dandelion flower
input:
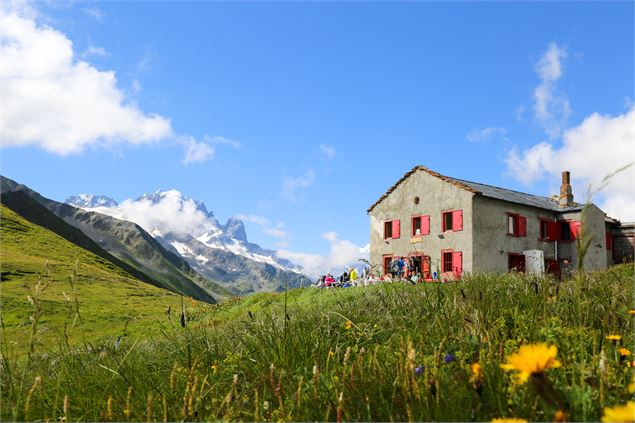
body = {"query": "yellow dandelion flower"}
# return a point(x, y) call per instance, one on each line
point(214, 368)
point(508, 420)
point(631, 312)
point(348, 325)
point(624, 352)
point(331, 353)
point(613, 338)
point(621, 413)
point(477, 376)
point(531, 359)
point(560, 416)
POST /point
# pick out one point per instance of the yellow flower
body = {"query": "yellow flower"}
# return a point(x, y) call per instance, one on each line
point(331, 353)
point(477, 376)
point(631, 386)
point(560, 416)
point(624, 352)
point(348, 325)
point(613, 338)
point(214, 368)
point(530, 359)
point(631, 312)
point(508, 420)
point(621, 413)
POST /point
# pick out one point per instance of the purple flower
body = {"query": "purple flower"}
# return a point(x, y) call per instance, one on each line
point(419, 370)
point(448, 358)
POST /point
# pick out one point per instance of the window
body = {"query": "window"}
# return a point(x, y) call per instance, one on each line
point(516, 262)
point(391, 229)
point(452, 261)
point(544, 229)
point(516, 225)
point(565, 231)
point(447, 262)
point(420, 225)
point(452, 220)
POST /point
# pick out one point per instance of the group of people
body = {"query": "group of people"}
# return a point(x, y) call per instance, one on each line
point(346, 279)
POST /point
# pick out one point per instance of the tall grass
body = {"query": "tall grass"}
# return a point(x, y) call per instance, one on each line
point(391, 352)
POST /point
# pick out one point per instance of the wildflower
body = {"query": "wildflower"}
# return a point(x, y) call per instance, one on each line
point(532, 359)
point(448, 358)
point(621, 413)
point(331, 353)
point(624, 352)
point(508, 420)
point(631, 312)
point(477, 377)
point(214, 368)
point(560, 416)
point(613, 338)
point(348, 325)
point(419, 370)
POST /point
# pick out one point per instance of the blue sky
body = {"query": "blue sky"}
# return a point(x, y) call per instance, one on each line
point(313, 110)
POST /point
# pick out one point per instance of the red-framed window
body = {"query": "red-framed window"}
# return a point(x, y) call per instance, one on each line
point(548, 230)
point(516, 262)
point(516, 225)
point(569, 230)
point(392, 229)
point(452, 220)
point(420, 225)
point(452, 262)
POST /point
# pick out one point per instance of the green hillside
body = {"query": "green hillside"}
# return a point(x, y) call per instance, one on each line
point(108, 297)
point(390, 352)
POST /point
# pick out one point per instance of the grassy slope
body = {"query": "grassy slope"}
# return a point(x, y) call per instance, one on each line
point(108, 296)
point(244, 360)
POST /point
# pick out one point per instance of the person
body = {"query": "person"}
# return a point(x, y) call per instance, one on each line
point(344, 278)
point(329, 281)
point(401, 264)
point(353, 276)
point(394, 268)
point(566, 269)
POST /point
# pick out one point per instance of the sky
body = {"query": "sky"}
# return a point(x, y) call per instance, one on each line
point(297, 116)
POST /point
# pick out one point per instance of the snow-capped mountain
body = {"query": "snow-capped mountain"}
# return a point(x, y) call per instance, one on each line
point(220, 252)
point(91, 201)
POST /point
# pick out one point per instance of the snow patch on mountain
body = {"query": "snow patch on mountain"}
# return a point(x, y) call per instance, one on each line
point(91, 201)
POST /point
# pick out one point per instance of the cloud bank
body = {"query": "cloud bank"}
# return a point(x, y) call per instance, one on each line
point(54, 101)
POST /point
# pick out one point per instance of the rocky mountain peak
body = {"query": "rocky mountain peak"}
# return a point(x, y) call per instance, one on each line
point(234, 228)
point(90, 201)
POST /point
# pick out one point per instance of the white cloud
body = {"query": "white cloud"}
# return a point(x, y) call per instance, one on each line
point(486, 135)
point(327, 151)
point(276, 231)
point(342, 255)
point(94, 13)
point(196, 152)
point(597, 147)
point(172, 213)
point(551, 107)
point(95, 51)
point(59, 103)
point(223, 141)
point(291, 185)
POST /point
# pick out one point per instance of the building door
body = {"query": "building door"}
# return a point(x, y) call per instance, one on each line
point(516, 262)
point(386, 262)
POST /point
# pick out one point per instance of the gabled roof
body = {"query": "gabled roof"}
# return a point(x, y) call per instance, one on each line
point(486, 191)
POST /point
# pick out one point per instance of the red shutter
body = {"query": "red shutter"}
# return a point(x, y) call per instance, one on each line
point(574, 227)
point(552, 231)
point(396, 225)
point(425, 225)
point(457, 263)
point(522, 226)
point(609, 241)
point(457, 220)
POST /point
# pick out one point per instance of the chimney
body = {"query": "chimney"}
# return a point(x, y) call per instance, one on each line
point(566, 197)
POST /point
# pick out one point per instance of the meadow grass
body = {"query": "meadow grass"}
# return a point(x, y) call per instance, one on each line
point(390, 352)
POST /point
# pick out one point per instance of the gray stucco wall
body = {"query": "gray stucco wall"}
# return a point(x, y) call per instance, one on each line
point(595, 227)
point(492, 245)
point(435, 197)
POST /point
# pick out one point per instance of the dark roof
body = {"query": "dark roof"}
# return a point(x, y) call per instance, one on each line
point(487, 191)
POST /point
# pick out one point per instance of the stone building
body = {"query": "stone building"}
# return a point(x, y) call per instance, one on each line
point(451, 226)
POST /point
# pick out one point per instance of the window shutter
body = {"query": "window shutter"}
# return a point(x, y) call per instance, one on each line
point(609, 241)
point(425, 225)
point(522, 226)
point(396, 224)
point(552, 231)
point(574, 227)
point(457, 263)
point(457, 220)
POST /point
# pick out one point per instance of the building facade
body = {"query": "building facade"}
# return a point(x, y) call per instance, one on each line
point(451, 227)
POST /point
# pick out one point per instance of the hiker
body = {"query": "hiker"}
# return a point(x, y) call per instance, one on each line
point(353, 276)
point(329, 281)
point(344, 278)
point(401, 264)
point(394, 268)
